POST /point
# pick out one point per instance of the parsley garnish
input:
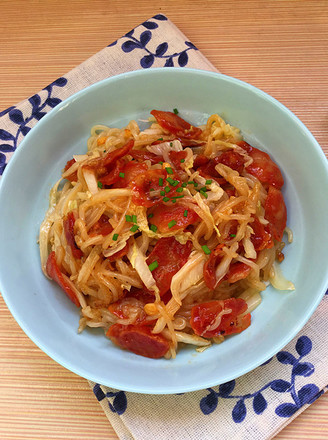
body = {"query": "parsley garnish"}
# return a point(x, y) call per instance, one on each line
point(208, 182)
point(182, 160)
point(153, 228)
point(134, 218)
point(128, 218)
point(206, 250)
point(185, 214)
point(100, 185)
point(153, 265)
point(169, 170)
point(122, 175)
point(172, 223)
point(115, 237)
point(176, 111)
point(166, 199)
point(134, 228)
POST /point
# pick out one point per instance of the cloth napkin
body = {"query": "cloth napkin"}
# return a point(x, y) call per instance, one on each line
point(255, 406)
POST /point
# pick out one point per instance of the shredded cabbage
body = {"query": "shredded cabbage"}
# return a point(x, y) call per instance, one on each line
point(90, 180)
point(138, 262)
point(164, 148)
point(188, 275)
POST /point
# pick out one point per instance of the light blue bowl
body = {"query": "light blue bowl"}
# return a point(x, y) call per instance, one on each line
point(51, 320)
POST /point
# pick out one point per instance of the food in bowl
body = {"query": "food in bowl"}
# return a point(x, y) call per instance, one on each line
point(166, 236)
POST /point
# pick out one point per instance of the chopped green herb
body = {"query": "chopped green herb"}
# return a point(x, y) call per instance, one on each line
point(182, 160)
point(160, 181)
point(179, 197)
point(104, 151)
point(166, 199)
point(206, 250)
point(203, 189)
point(204, 194)
point(134, 218)
point(100, 185)
point(162, 193)
point(171, 144)
point(151, 215)
point(232, 235)
point(185, 214)
point(153, 228)
point(152, 266)
point(152, 189)
point(122, 175)
point(172, 223)
point(115, 237)
point(167, 189)
point(160, 162)
point(134, 228)
point(170, 180)
point(128, 218)
point(176, 111)
point(173, 200)
point(195, 184)
point(208, 182)
point(184, 185)
point(160, 139)
point(169, 170)
point(175, 183)
point(179, 190)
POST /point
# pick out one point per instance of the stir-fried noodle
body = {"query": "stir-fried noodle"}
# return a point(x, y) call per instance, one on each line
point(167, 235)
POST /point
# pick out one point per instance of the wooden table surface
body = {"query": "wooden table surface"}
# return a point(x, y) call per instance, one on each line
point(278, 46)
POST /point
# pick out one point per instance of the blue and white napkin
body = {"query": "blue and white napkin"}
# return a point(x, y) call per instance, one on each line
point(256, 406)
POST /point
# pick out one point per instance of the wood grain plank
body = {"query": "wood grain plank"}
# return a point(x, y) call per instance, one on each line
point(278, 46)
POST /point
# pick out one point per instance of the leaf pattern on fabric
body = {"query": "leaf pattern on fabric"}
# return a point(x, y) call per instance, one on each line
point(117, 401)
point(307, 394)
point(161, 52)
point(38, 109)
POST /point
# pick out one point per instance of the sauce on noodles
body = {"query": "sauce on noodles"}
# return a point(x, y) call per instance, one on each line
point(166, 236)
